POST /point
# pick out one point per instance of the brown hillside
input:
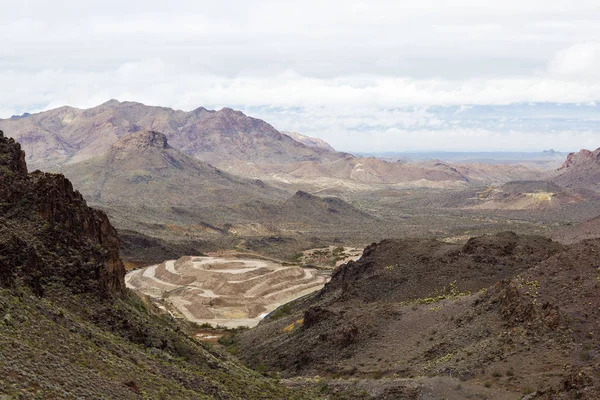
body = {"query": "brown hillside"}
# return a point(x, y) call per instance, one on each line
point(586, 230)
point(414, 308)
point(580, 170)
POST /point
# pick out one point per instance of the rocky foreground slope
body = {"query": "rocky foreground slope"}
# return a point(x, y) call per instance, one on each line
point(68, 327)
point(502, 315)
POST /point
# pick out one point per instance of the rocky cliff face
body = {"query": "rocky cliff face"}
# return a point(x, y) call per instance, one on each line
point(49, 234)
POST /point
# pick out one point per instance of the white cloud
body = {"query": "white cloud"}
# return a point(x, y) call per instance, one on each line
point(331, 69)
point(580, 61)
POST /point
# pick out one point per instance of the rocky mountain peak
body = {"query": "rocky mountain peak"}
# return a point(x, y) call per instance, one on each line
point(230, 111)
point(580, 170)
point(111, 103)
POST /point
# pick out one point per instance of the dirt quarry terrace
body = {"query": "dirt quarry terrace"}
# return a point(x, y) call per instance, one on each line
point(223, 291)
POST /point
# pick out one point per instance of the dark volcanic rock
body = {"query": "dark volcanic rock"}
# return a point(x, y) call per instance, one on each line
point(385, 306)
point(48, 233)
point(399, 270)
point(12, 158)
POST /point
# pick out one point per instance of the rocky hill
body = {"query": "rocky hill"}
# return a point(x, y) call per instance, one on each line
point(154, 174)
point(68, 327)
point(502, 316)
point(531, 195)
point(42, 217)
point(580, 170)
point(149, 187)
point(328, 210)
point(586, 230)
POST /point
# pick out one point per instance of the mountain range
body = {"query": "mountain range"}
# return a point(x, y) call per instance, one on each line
point(231, 141)
point(67, 135)
point(446, 313)
point(212, 179)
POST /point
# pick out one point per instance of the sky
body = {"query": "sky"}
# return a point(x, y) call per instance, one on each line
point(366, 76)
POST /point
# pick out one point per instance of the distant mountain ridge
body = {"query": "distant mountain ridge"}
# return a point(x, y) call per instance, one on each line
point(67, 135)
point(233, 142)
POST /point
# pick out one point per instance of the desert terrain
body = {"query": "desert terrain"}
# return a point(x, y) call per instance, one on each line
point(220, 291)
point(349, 277)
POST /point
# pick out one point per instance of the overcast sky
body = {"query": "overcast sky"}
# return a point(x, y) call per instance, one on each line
point(365, 76)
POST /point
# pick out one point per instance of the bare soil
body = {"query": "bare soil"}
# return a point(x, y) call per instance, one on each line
point(223, 291)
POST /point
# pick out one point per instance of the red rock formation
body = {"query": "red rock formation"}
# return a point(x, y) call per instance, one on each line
point(582, 157)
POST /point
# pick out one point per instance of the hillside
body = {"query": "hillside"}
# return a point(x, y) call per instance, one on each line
point(586, 230)
point(497, 317)
point(530, 195)
point(328, 210)
point(580, 170)
point(150, 188)
point(154, 174)
point(70, 329)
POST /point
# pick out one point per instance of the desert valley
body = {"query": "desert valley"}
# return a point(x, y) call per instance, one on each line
point(205, 253)
point(315, 200)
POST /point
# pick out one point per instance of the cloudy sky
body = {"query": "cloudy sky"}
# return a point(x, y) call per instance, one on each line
point(365, 76)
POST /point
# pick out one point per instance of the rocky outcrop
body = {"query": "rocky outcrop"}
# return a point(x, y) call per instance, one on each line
point(398, 270)
point(582, 157)
point(12, 158)
point(142, 140)
point(49, 234)
point(580, 170)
